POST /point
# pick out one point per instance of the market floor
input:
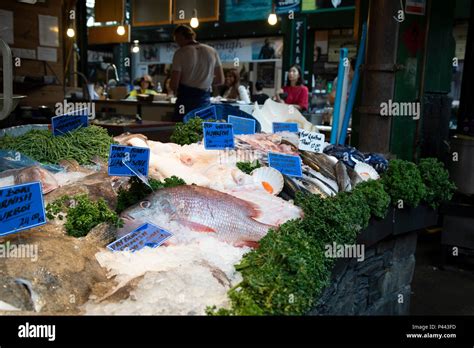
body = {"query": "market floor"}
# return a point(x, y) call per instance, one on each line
point(441, 292)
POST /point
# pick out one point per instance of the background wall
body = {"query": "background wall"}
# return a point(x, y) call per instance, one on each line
point(26, 36)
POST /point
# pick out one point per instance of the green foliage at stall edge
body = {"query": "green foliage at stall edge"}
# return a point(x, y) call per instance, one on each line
point(439, 187)
point(403, 181)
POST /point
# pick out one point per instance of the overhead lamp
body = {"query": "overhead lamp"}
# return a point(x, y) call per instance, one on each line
point(272, 17)
point(121, 30)
point(71, 32)
point(194, 20)
point(136, 47)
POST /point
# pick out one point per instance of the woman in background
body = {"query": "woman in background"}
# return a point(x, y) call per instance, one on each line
point(296, 92)
point(234, 90)
point(146, 87)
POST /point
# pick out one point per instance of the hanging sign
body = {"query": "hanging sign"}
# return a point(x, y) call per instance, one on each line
point(285, 6)
point(298, 42)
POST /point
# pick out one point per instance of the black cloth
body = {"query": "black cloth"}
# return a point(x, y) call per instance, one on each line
point(260, 98)
point(190, 98)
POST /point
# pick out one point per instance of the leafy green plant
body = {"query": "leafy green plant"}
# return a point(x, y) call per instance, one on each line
point(289, 270)
point(248, 167)
point(376, 197)
point(190, 132)
point(403, 181)
point(82, 214)
point(138, 190)
point(439, 187)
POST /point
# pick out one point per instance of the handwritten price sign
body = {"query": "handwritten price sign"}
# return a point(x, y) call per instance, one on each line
point(21, 208)
point(311, 141)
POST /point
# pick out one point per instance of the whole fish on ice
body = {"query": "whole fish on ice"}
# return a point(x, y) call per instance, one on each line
point(202, 210)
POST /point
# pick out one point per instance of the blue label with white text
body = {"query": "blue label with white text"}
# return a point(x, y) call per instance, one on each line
point(218, 136)
point(207, 113)
point(242, 125)
point(21, 208)
point(287, 164)
point(63, 124)
point(147, 235)
point(285, 127)
point(122, 158)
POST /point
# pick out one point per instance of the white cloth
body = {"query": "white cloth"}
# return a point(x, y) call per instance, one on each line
point(196, 64)
point(243, 94)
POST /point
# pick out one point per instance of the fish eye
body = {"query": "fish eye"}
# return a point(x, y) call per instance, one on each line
point(145, 204)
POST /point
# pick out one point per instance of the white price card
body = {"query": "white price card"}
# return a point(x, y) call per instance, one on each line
point(311, 141)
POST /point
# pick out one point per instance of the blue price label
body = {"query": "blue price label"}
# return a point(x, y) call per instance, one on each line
point(63, 124)
point(207, 113)
point(242, 125)
point(21, 208)
point(147, 235)
point(128, 160)
point(285, 127)
point(218, 136)
point(287, 164)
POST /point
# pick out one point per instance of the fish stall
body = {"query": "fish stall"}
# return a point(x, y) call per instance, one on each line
point(221, 220)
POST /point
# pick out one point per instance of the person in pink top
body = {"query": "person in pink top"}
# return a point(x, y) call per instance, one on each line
point(296, 92)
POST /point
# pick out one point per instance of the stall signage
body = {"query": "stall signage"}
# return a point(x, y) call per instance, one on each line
point(122, 158)
point(298, 42)
point(242, 125)
point(63, 124)
point(287, 164)
point(147, 235)
point(218, 136)
point(285, 6)
point(416, 7)
point(285, 127)
point(207, 113)
point(21, 208)
point(311, 141)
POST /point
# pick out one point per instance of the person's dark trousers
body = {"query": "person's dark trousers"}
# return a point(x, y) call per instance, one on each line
point(190, 98)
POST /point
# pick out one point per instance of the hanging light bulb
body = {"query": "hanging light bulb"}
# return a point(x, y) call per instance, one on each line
point(194, 20)
point(136, 47)
point(272, 19)
point(71, 32)
point(121, 30)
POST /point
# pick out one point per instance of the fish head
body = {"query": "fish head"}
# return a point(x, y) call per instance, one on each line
point(36, 173)
point(148, 210)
